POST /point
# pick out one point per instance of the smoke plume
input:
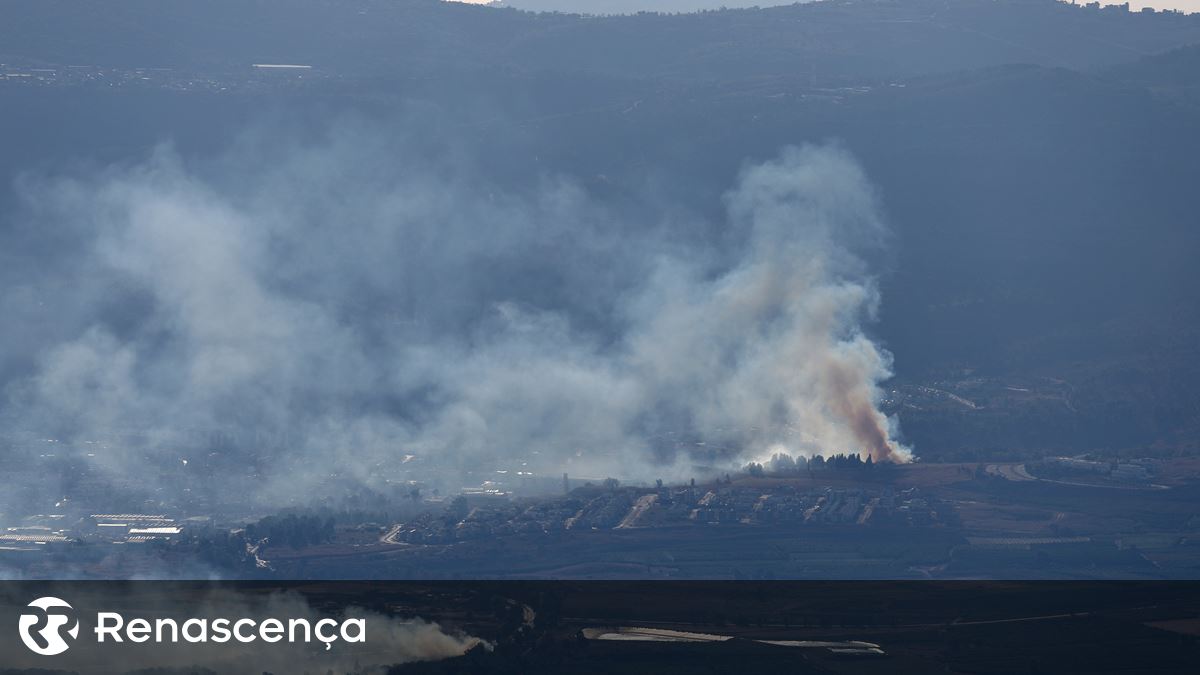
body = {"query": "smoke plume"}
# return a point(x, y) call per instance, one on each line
point(329, 308)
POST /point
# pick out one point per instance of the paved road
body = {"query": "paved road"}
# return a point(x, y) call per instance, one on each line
point(390, 536)
point(1015, 472)
point(639, 507)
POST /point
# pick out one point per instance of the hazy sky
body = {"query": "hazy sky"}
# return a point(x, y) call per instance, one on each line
point(622, 6)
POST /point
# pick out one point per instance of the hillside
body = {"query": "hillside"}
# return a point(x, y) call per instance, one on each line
point(828, 41)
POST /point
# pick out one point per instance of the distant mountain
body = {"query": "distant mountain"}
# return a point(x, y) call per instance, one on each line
point(825, 41)
point(1174, 74)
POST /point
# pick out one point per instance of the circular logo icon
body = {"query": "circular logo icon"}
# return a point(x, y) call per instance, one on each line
point(42, 630)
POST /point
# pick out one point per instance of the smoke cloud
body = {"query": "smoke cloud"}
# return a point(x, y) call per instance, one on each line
point(324, 310)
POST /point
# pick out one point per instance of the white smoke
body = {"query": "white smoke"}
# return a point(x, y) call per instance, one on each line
point(777, 340)
point(345, 308)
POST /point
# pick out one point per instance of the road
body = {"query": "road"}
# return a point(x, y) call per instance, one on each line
point(390, 536)
point(1015, 472)
point(639, 507)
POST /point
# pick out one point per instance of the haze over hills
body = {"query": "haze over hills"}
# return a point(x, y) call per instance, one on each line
point(1013, 229)
point(854, 39)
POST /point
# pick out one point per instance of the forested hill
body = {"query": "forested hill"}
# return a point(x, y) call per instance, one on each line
point(827, 41)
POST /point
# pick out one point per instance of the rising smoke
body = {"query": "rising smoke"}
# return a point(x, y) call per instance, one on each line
point(335, 306)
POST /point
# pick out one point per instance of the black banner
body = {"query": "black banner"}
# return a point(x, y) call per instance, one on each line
point(618, 627)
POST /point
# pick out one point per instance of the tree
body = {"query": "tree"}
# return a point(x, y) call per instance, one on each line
point(458, 508)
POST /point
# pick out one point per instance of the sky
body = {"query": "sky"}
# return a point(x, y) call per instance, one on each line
point(623, 6)
point(1188, 6)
